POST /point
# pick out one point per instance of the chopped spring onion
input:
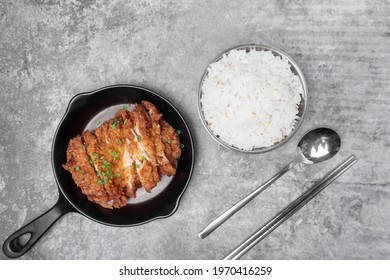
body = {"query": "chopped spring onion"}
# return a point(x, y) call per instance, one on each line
point(114, 155)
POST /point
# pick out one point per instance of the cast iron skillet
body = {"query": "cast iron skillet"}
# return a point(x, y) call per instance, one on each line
point(82, 112)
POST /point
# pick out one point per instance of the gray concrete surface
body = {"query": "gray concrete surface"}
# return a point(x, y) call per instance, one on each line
point(52, 50)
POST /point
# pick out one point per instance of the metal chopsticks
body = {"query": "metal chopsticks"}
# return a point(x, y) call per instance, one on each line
point(291, 209)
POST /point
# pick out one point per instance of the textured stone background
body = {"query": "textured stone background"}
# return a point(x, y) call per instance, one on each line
point(52, 50)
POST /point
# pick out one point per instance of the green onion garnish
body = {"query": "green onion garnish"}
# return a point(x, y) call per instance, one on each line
point(77, 168)
point(110, 174)
point(182, 146)
point(139, 138)
point(178, 131)
point(114, 155)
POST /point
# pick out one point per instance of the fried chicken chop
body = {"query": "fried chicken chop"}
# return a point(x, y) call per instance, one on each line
point(129, 151)
point(165, 166)
point(83, 173)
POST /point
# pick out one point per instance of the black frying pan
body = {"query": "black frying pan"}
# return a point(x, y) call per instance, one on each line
point(85, 111)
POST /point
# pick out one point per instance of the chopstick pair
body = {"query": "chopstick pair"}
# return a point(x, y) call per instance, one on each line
point(291, 209)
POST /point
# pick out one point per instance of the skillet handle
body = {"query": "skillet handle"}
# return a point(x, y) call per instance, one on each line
point(14, 247)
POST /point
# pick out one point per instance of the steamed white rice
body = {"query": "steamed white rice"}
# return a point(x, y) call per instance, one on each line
point(250, 99)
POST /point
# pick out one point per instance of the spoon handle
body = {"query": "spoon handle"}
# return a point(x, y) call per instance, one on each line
point(292, 208)
point(230, 212)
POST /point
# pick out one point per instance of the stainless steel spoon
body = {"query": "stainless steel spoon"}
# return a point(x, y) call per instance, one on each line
point(315, 146)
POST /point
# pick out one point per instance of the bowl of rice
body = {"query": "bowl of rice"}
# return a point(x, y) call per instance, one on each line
point(252, 98)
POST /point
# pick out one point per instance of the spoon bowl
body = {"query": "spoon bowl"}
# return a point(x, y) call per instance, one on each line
point(317, 145)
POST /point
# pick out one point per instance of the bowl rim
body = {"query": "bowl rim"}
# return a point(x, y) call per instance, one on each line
point(293, 64)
